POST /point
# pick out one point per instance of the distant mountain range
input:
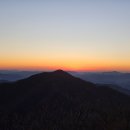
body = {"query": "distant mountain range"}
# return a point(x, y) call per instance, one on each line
point(114, 77)
point(117, 80)
point(6, 75)
point(59, 101)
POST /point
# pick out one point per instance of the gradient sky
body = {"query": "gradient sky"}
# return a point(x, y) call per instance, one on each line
point(89, 35)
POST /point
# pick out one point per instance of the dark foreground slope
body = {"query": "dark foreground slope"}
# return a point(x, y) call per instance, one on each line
point(59, 101)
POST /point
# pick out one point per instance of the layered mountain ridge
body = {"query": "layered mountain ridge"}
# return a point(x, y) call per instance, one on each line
point(58, 100)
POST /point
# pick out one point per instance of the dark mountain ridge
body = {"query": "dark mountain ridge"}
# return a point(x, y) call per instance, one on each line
point(57, 100)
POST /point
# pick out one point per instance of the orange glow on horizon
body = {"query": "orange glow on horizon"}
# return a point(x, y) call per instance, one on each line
point(64, 65)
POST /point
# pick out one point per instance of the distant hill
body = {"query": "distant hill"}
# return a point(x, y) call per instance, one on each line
point(4, 81)
point(15, 75)
point(10, 77)
point(114, 77)
point(59, 101)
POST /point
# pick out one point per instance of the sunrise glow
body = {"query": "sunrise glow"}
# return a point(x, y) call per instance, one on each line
point(69, 35)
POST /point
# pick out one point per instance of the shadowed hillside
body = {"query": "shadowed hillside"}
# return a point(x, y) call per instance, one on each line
point(58, 101)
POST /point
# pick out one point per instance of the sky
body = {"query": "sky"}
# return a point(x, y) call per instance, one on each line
point(80, 35)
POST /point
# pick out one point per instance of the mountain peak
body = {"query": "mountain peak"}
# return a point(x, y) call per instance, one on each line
point(59, 71)
point(57, 74)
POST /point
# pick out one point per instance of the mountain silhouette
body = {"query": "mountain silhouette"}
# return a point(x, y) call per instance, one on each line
point(59, 101)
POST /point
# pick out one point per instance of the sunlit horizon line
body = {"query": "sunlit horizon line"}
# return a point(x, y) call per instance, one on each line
point(64, 69)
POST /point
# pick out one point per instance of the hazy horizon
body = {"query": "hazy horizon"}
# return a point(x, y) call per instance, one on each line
point(51, 70)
